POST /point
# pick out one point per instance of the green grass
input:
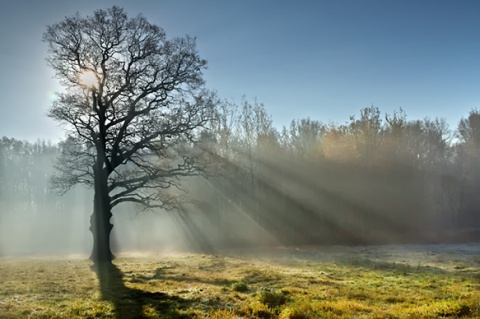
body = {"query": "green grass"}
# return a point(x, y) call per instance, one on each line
point(271, 283)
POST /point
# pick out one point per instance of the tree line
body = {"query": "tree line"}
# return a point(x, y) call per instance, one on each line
point(36, 219)
point(33, 217)
point(378, 178)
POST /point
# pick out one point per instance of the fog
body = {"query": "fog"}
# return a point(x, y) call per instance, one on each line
point(62, 227)
point(36, 220)
point(367, 182)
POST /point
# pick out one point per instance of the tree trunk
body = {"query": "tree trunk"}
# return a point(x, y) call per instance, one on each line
point(100, 225)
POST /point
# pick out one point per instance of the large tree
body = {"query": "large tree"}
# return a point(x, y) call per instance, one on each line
point(133, 104)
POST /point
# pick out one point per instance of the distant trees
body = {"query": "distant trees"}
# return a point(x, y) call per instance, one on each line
point(134, 107)
point(31, 212)
point(21, 163)
point(304, 136)
point(468, 134)
point(377, 178)
point(468, 159)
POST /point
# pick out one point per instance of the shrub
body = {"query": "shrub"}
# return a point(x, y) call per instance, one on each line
point(257, 310)
point(273, 298)
point(240, 286)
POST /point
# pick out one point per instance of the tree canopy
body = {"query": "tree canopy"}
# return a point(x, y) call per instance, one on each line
point(145, 98)
point(133, 105)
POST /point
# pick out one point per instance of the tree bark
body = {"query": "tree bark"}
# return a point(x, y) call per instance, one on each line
point(100, 225)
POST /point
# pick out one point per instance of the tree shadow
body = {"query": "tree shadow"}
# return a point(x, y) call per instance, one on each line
point(133, 303)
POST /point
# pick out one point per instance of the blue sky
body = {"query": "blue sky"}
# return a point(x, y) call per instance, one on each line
point(320, 59)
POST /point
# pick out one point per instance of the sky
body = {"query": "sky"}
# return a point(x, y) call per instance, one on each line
point(320, 59)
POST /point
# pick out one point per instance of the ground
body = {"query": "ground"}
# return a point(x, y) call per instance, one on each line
point(431, 281)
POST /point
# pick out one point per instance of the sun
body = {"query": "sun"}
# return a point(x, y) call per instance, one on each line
point(88, 79)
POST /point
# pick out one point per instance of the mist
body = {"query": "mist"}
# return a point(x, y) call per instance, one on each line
point(36, 220)
point(368, 182)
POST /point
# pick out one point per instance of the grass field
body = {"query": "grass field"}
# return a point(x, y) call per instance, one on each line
point(306, 282)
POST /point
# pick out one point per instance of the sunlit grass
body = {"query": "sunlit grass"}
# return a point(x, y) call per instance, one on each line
point(308, 282)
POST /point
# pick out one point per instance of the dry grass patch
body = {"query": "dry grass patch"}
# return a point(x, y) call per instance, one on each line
point(301, 283)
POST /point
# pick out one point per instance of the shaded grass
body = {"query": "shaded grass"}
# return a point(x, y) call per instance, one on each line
point(274, 283)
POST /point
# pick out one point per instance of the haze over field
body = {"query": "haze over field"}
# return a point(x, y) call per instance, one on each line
point(280, 171)
point(310, 184)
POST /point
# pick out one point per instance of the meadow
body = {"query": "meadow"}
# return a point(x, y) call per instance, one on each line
point(433, 281)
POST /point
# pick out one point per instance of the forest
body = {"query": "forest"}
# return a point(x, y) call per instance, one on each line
point(377, 179)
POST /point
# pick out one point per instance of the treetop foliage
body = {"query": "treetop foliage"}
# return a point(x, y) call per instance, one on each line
point(146, 102)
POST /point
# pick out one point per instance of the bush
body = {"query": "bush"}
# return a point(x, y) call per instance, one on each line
point(256, 309)
point(240, 286)
point(273, 298)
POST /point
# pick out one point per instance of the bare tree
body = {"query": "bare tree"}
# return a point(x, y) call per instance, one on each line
point(367, 131)
point(305, 137)
point(133, 106)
